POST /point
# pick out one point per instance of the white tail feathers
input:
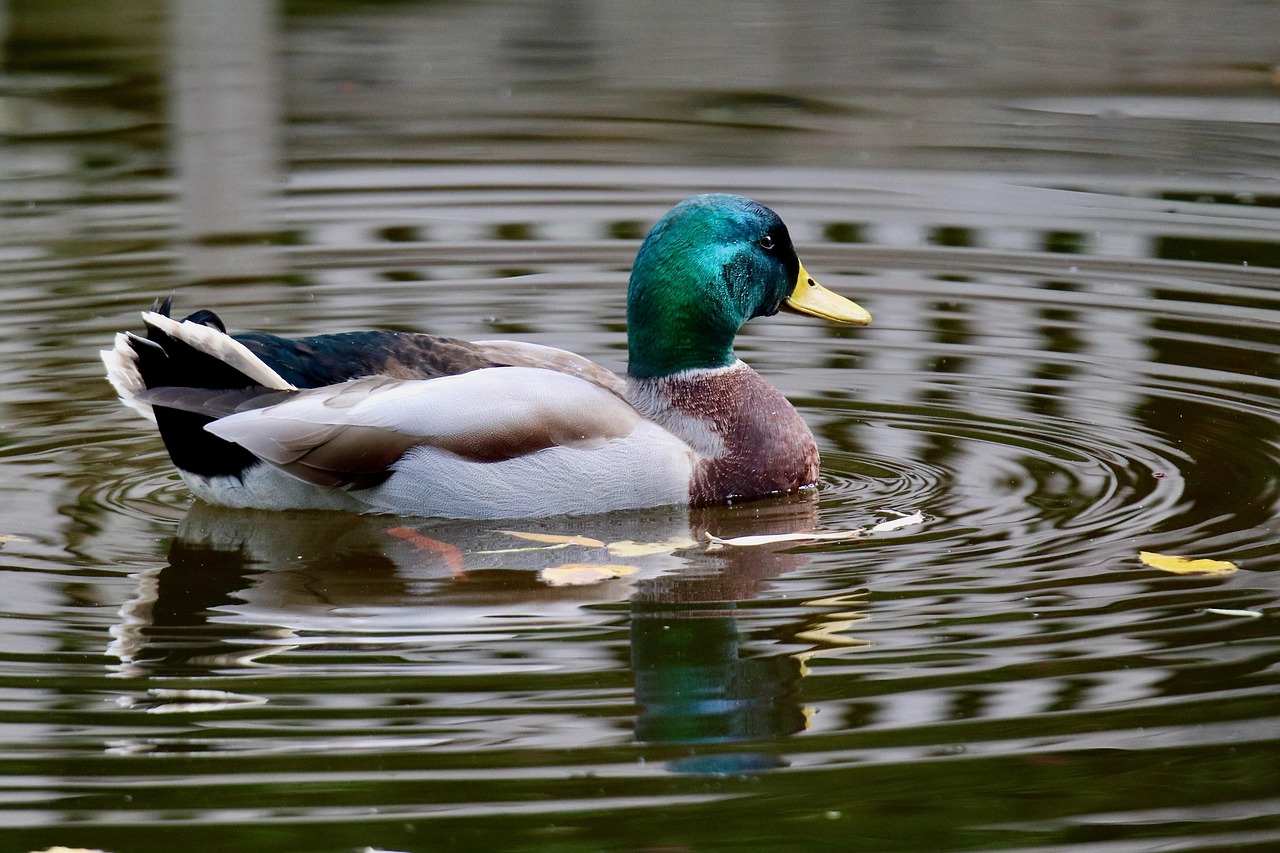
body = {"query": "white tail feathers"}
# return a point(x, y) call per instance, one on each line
point(122, 372)
point(122, 361)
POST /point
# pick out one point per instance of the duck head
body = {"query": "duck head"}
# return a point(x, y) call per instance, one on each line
point(707, 267)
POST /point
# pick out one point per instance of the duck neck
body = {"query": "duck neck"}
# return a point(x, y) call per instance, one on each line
point(677, 349)
point(678, 319)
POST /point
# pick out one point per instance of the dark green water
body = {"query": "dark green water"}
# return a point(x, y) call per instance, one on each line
point(1065, 218)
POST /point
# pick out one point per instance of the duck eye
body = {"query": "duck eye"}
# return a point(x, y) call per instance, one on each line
point(766, 242)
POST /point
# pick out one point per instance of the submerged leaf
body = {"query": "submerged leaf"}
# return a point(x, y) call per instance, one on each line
point(628, 548)
point(555, 538)
point(1184, 565)
point(772, 538)
point(577, 574)
point(451, 554)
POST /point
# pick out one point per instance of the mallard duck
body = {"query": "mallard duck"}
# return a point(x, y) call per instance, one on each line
point(415, 424)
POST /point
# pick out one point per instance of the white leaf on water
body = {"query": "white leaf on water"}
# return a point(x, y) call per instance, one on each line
point(199, 701)
point(774, 538)
point(899, 523)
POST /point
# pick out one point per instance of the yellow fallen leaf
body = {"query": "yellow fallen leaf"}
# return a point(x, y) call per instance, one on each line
point(577, 574)
point(773, 538)
point(628, 548)
point(555, 538)
point(1184, 565)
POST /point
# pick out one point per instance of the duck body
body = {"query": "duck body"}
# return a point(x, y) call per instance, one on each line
point(416, 424)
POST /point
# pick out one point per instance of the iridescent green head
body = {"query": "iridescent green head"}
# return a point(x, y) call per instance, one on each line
point(708, 266)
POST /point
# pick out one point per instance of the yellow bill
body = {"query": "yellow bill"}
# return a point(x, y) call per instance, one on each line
point(809, 297)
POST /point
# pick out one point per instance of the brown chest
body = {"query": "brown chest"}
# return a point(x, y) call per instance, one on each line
point(763, 446)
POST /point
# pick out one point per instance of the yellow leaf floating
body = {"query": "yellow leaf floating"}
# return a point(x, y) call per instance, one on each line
point(628, 548)
point(555, 538)
point(579, 574)
point(1185, 566)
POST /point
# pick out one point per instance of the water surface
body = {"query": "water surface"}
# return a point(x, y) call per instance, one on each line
point(1066, 229)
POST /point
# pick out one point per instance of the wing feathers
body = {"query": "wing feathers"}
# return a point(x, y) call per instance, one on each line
point(519, 354)
point(355, 433)
point(355, 457)
point(212, 402)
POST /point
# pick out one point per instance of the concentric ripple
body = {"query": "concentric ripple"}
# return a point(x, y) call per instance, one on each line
point(1007, 665)
point(1066, 222)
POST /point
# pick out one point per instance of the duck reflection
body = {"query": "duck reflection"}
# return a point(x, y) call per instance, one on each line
point(240, 586)
point(694, 681)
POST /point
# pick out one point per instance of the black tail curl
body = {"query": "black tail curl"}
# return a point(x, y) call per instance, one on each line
point(167, 362)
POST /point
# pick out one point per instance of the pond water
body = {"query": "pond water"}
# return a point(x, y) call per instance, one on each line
point(1065, 219)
